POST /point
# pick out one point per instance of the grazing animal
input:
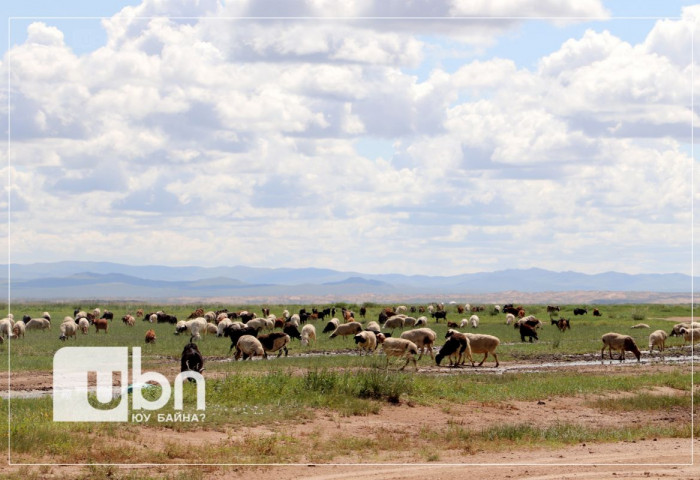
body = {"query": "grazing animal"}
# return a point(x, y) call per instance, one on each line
point(291, 329)
point(235, 332)
point(345, 329)
point(691, 335)
point(83, 325)
point(248, 346)
point(366, 341)
point(580, 311)
point(191, 359)
point(308, 334)
point(38, 324)
point(622, 343)
point(18, 329)
point(275, 342)
point(479, 343)
point(151, 336)
point(398, 347)
point(640, 325)
point(331, 325)
point(68, 329)
point(657, 339)
point(527, 331)
point(563, 324)
point(108, 315)
point(100, 324)
point(552, 308)
point(596, 312)
point(363, 312)
point(438, 315)
point(424, 339)
point(455, 348)
point(128, 320)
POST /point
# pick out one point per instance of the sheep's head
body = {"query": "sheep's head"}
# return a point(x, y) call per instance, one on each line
point(630, 346)
point(380, 338)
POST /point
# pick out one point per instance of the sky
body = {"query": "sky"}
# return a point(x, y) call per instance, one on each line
point(430, 137)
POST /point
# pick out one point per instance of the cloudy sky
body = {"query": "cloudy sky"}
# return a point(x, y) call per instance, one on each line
point(435, 136)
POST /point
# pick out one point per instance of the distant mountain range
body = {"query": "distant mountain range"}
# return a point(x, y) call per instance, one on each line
point(102, 280)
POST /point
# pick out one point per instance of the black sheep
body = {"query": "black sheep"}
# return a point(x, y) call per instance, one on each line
point(236, 332)
point(291, 330)
point(191, 360)
point(453, 345)
point(527, 331)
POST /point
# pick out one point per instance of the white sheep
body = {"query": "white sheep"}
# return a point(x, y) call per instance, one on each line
point(480, 343)
point(423, 320)
point(464, 323)
point(83, 325)
point(258, 323)
point(676, 330)
point(615, 341)
point(38, 324)
point(373, 327)
point(80, 314)
point(366, 341)
point(209, 316)
point(641, 325)
point(308, 334)
point(68, 329)
point(657, 339)
point(350, 328)
point(153, 318)
point(222, 326)
point(221, 317)
point(691, 335)
point(409, 322)
point(6, 326)
point(96, 312)
point(196, 326)
point(248, 346)
point(474, 321)
point(212, 328)
point(510, 318)
point(18, 329)
point(45, 315)
point(401, 309)
point(423, 338)
point(397, 321)
point(398, 347)
point(294, 320)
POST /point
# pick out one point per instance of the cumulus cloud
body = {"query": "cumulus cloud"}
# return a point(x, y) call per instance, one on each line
point(221, 141)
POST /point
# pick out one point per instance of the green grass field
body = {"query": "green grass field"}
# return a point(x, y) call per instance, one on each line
point(328, 376)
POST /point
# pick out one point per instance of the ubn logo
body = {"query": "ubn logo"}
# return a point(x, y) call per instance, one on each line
point(72, 365)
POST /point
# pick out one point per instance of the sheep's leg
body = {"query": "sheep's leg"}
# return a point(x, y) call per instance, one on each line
point(496, 357)
point(485, 355)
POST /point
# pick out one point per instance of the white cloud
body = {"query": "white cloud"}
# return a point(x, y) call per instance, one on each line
point(191, 141)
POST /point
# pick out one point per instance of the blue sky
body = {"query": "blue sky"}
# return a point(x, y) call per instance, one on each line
point(367, 145)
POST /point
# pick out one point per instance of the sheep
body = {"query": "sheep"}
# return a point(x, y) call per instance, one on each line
point(96, 313)
point(195, 326)
point(38, 324)
point(615, 341)
point(248, 346)
point(691, 335)
point(373, 327)
point(640, 325)
point(45, 315)
point(152, 318)
point(398, 347)
point(527, 331)
point(6, 327)
point(530, 320)
point(510, 318)
point(676, 331)
point(209, 316)
point(191, 359)
point(423, 320)
point(222, 325)
point(101, 324)
point(275, 341)
point(219, 318)
point(68, 329)
point(151, 336)
point(18, 329)
point(294, 319)
point(657, 339)
point(83, 325)
point(474, 321)
point(401, 309)
point(128, 320)
point(366, 340)
point(331, 325)
point(479, 343)
point(80, 314)
point(291, 330)
point(212, 328)
point(258, 323)
point(462, 324)
point(308, 334)
point(107, 315)
point(235, 332)
point(423, 338)
point(409, 322)
point(455, 348)
point(350, 328)
point(463, 353)
point(394, 322)
point(562, 324)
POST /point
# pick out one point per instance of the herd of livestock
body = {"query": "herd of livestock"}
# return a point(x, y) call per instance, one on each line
point(252, 335)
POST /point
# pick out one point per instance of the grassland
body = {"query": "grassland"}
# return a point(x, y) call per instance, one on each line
point(329, 379)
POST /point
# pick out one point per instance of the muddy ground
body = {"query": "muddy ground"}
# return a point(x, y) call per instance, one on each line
point(648, 458)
